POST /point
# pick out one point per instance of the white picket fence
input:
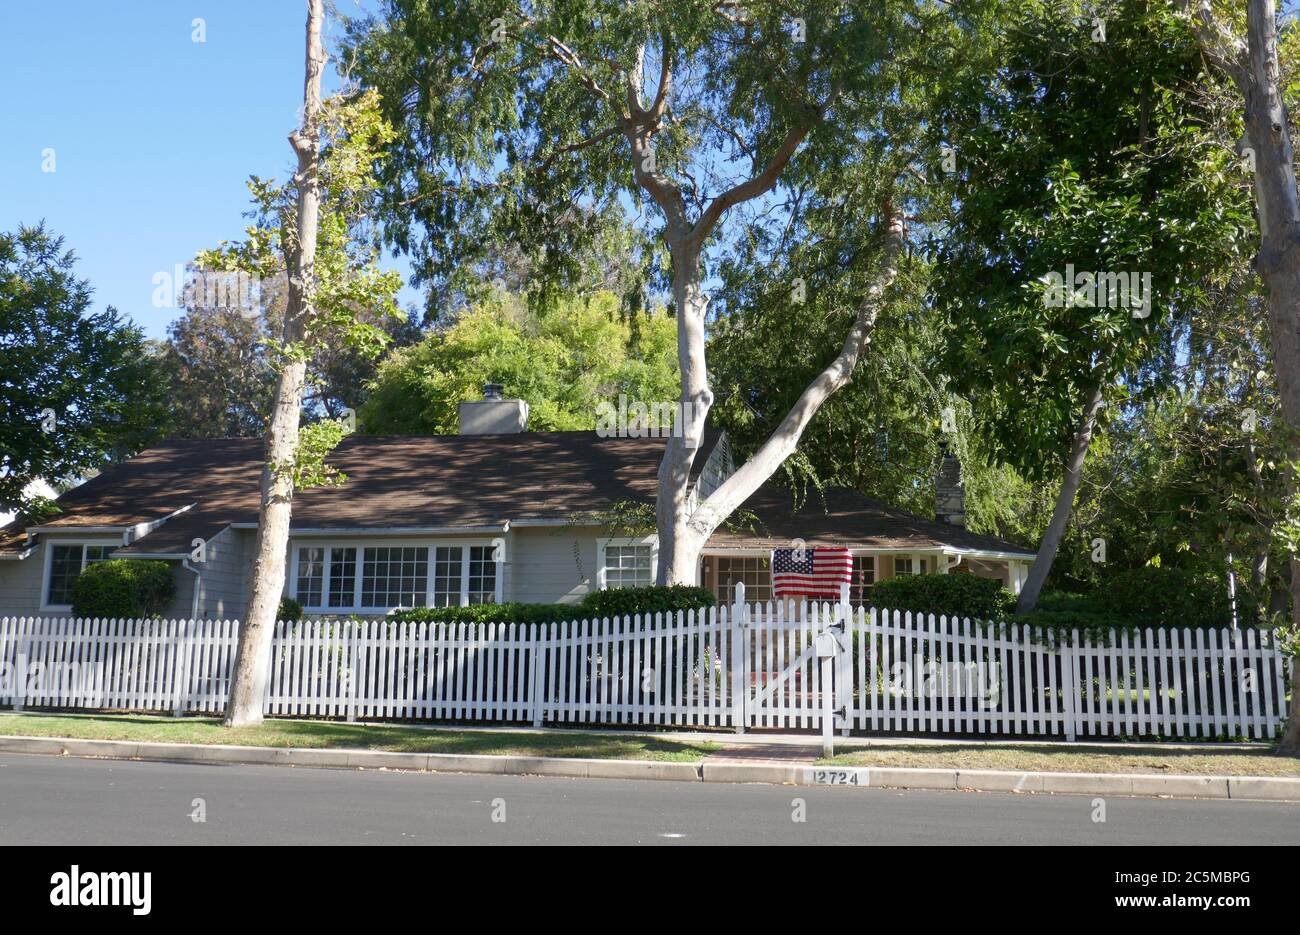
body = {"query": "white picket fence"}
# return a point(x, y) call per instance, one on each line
point(739, 666)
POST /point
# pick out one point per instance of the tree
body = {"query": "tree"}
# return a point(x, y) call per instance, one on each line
point(80, 389)
point(1076, 148)
point(519, 115)
point(1253, 68)
point(309, 230)
point(563, 359)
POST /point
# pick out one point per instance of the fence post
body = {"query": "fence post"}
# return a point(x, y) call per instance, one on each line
point(844, 660)
point(20, 665)
point(536, 672)
point(739, 660)
point(352, 670)
point(1069, 687)
point(180, 673)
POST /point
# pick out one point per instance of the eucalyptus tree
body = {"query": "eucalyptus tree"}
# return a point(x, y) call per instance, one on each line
point(1242, 45)
point(307, 230)
point(1086, 213)
point(518, 124)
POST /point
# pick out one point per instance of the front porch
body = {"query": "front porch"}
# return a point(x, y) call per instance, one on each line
point(722, 568)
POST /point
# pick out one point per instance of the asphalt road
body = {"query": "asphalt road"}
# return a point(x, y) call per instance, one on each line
point(65, 800)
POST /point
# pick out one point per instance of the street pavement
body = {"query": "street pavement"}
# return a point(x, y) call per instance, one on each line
point(68, 800)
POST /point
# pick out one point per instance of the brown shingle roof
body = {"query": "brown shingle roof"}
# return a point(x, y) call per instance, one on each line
point(455, 481)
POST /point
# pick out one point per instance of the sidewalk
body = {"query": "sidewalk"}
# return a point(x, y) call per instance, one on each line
point(789, 759)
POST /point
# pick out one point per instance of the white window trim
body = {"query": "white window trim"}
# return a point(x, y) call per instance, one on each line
point(49, 566)
point(324, 610)
point(602, 564)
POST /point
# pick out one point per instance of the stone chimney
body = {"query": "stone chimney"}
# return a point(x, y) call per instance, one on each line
point(949, 495)
point(493, 415)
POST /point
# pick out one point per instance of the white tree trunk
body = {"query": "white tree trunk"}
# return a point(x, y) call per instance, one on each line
point(1253, 67)
point(689, 532)
point(1073, 476)
point(252, 660)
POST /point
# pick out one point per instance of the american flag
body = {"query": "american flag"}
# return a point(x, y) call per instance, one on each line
point(819, 574)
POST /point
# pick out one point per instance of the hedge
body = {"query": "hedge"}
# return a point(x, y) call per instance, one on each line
point(123, 589)
point(289, 610)
point(954, 595)
point(609, 603)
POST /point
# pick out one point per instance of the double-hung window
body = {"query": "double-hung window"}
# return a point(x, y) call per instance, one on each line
point(378, 578)
point(64, 562)
point(912, 565)
point(627, 563)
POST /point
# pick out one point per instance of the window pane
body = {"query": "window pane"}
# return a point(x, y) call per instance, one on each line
point(343, 577)
point(754, 571)
point(864, 576)
point(446, 576)
point(628, 566)
point(394, 576)
point(65, 565)
point(98, 553)
point(311, 568)
point(482, 575)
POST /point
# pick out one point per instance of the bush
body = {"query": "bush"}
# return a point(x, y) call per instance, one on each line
point(954, 595)
point(620, 601)
point(1173, 597)
point(123, 589)
point(492, 613)
point(611, 603)
point(289, 610)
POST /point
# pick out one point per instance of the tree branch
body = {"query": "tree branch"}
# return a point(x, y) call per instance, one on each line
point(785, 439)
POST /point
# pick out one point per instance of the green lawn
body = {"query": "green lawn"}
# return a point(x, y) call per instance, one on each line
point(281, 733)
point(1074, 759)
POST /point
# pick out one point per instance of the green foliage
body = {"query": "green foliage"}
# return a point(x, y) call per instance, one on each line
point(315, 442)
point(289, 610)
point(515, 613)
point(123, 589)
point(563, 361)
point(1053, 169)
point(952, 594)
point(619, 601)
point(1172, 597)
point(608, 603)
point(78, 389)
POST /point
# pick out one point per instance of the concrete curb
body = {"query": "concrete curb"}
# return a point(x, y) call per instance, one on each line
point(1268, 788)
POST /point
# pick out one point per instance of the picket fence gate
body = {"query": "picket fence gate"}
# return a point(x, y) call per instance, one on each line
point(737, 666)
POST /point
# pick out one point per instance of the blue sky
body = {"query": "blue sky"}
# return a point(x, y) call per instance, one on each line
point(153, 134)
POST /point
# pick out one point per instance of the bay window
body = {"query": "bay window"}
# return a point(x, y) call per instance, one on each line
point(379, 578)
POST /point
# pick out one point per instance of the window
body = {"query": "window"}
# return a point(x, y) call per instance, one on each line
point(394, 576)
point(65, 563)
point(343, 577)
point(311, 576)
point(373, 579)
point(755, 572)
point(482, 575)
point(864, 576)
point(912, 565)
point(446, 576)
point(626, 563)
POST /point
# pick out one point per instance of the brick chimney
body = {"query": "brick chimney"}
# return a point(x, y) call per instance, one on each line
point(949, 495)
point(493, 415)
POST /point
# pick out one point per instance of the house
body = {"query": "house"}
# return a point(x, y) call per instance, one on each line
point(495, 513)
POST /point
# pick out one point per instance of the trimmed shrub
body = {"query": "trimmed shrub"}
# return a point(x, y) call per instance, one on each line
point(123, 588)
point(492, 613)
point(954, 595)
point(1173, 597)
point(620, 601)
point(289, 610)
point(611, 603)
